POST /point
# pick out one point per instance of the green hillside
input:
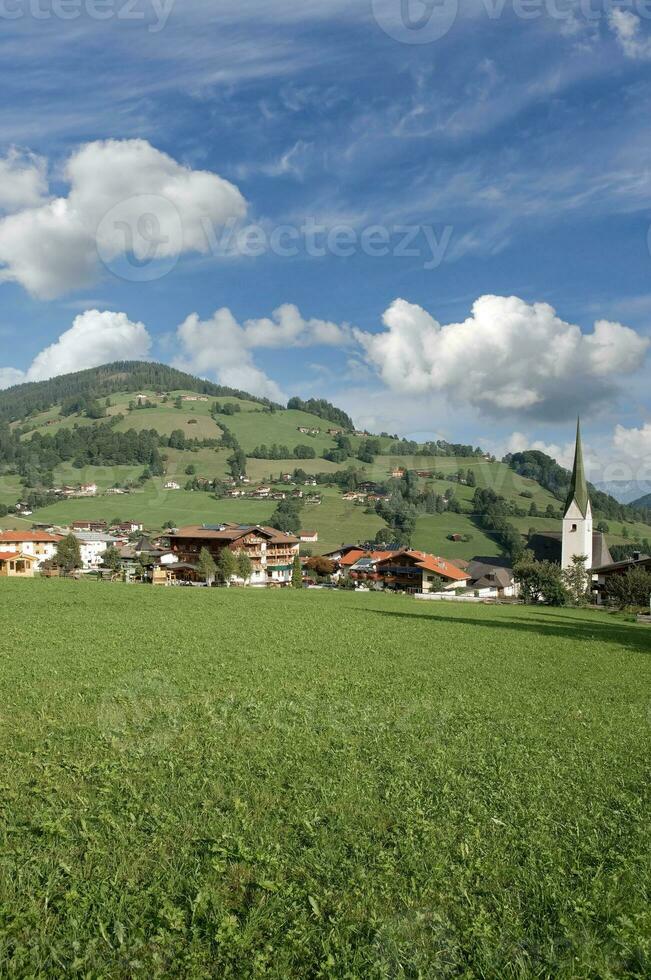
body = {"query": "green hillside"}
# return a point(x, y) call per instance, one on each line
point(141, 426)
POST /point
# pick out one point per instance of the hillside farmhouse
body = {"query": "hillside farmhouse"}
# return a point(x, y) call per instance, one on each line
point(308, 537)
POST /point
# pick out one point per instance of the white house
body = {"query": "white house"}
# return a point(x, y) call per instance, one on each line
point(36, 544)
point(92, 546)
point(88, 489)
point(308, 537)
point(172, 485)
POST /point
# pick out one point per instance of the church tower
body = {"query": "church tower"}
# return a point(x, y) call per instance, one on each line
point(577, 522)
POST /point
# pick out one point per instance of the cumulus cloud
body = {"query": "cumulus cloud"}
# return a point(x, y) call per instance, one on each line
point(633, 444)
point(623, 455)
point(507, 357)
point(223, 347)
point(125, 197)
point(23, 181)
point(94, 338)
point(11, 376)
point(626, 28)
point(518, 442)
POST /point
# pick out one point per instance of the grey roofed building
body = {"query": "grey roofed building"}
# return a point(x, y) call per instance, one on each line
point(548, 546)
point(639, 561)
point(489, 575)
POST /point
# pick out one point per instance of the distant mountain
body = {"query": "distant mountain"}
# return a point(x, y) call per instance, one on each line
point(643, 502)
point(536, 465)
point(626, 491)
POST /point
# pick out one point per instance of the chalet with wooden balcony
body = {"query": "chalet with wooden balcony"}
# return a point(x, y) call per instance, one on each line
point(271, 551)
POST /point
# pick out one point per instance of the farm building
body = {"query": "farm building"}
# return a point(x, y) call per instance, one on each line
point(308, 537)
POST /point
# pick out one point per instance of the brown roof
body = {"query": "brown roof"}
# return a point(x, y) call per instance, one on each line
point(13, 555)
point(37, 537)
point(229, 533)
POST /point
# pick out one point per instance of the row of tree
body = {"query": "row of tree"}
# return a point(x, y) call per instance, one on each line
point(544, 581)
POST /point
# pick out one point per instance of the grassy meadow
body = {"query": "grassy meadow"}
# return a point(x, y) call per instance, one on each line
point(199, 783)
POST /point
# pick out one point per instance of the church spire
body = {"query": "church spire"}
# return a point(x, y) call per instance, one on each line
point(578, 486)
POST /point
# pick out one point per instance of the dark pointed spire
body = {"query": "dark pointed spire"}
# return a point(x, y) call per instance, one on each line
point(578, 486)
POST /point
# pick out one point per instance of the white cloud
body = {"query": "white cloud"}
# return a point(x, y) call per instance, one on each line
point(94, 338)
point(518, 442)
point(125, 197)
point(287, 328)
point(633, 444)
point(217, 347)
point(11, 376)
point(221, 346)
point(625, 455)
point(626, 28)
point(23, 181)
point(508, 357)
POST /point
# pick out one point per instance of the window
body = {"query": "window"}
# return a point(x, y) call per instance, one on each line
point(574, 527)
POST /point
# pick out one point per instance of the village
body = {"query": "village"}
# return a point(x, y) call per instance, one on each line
point(260, 556)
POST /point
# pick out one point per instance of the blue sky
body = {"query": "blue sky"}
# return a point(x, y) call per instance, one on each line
point(515, 150)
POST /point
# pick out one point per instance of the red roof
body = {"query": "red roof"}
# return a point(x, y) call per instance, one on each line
point(12, 555)
point(351, 557)
point(430, 563)
point(37, 537)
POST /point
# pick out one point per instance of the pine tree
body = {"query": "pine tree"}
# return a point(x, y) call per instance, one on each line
point(297, 573)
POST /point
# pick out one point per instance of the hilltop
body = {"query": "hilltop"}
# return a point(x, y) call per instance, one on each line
point(164, 447)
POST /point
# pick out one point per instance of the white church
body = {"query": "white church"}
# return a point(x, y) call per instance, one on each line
point(577, 532)
point(578, 536)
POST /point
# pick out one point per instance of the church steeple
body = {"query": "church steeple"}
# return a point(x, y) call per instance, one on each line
point(577, 520)
point(578, 486)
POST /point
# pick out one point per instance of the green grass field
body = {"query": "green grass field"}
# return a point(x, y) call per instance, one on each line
point(199, 783)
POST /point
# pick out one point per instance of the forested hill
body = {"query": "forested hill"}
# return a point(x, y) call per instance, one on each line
point(22, 400)
point(535, 465)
